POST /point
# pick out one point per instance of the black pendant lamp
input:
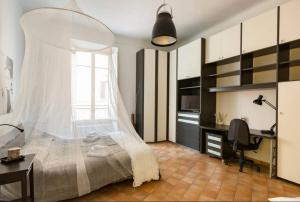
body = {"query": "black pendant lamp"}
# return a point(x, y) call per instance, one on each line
point(164, 31)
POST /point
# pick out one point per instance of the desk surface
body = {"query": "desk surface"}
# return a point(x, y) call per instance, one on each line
point(21, 166)
point(225, 128)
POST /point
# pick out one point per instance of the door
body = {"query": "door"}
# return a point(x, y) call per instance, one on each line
point(149, 95)
point(162, 95)
point(231, 42)
point(289, 21)
point(288, 165)
point(213, 48)
point(260, 32)
point(172, 95)
point(189, 60)
point(139, 109)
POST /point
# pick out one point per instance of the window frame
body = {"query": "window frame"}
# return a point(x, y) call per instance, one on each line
point(93, 88)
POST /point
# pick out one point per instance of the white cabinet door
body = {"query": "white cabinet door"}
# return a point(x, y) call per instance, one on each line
point(213, 48)
point(189, 60)
point(289, 21)
point(260, 32)
point(172, 95)
point(162, 95)
point(231, 42)
point(288, 165)
point(223, 45)
point(149, 95)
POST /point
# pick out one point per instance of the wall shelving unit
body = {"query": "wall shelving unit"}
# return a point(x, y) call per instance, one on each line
point(289, 61)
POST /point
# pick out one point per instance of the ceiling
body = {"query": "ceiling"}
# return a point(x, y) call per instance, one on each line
point(135, 18)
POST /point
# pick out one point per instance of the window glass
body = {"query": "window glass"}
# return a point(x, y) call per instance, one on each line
point(101, 87)
point(83, 58)
point(87, 78)
point(101, 61)
point(83, 85)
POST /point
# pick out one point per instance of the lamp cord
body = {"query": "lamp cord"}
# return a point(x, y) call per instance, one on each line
point(20, 129)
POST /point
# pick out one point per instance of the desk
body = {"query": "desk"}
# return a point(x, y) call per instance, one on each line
point(19, 171)
point(254, 133)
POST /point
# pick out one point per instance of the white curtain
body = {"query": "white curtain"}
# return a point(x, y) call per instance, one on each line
point(44, 107)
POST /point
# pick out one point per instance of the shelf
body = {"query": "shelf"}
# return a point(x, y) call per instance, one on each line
point(290, 44)
point(190, 78)
point(225, 61)
point(224, 89)
point(291, 62)
point(243, 87)
point(189, 87)
point(259, 86)
point(261, 52)
point(231, 73)
point(261, 68)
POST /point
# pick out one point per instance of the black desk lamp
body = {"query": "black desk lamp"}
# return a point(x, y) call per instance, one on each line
point(259, 101)
point(20, 129)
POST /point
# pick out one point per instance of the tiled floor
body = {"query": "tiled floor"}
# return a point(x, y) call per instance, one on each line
point(190, 176)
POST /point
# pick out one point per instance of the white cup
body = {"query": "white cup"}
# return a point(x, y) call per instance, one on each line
point(13, 153)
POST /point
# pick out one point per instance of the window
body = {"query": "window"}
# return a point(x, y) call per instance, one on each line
point(90, 80)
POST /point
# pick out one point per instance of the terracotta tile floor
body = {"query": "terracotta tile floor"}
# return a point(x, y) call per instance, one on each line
point(190, 176)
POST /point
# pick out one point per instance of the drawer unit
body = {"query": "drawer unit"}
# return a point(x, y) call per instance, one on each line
point(187, 131)
point(214, 145)
point(218, 146)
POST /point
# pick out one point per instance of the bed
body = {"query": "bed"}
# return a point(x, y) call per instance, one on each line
point(65, 169)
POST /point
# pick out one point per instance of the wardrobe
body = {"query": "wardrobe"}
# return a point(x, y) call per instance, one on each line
point(288, 112)
point(152, 94)
point(288, 131)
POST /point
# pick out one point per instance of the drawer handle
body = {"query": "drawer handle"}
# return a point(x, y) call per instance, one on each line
point(189, 121)
point(213, 152)
point(214, 145)
point(214, 138)
point(196, 116)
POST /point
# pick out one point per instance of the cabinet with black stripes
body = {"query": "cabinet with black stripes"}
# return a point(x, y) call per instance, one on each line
point(217, 145)
point(214, 145)
point(187, 131)
point(152, 94)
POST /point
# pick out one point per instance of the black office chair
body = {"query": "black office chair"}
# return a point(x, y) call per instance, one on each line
point(239, 138)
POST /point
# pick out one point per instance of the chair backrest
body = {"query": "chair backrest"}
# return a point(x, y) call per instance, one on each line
point(239, 132)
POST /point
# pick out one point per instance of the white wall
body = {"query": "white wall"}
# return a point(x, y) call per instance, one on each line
point(240, 105)
point(11, 34)
point(127, 69)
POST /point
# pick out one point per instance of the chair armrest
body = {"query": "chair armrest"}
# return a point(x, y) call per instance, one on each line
point(257, 140)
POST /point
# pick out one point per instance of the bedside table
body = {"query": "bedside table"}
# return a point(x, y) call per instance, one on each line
point(19, 171)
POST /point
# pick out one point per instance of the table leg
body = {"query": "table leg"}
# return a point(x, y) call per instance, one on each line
point(31, 184)
point(272, 158)
point(24, 188)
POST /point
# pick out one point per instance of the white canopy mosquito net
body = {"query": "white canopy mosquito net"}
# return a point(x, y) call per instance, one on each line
point(44, 107)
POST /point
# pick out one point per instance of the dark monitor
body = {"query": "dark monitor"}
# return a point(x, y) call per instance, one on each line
point(190, 103)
